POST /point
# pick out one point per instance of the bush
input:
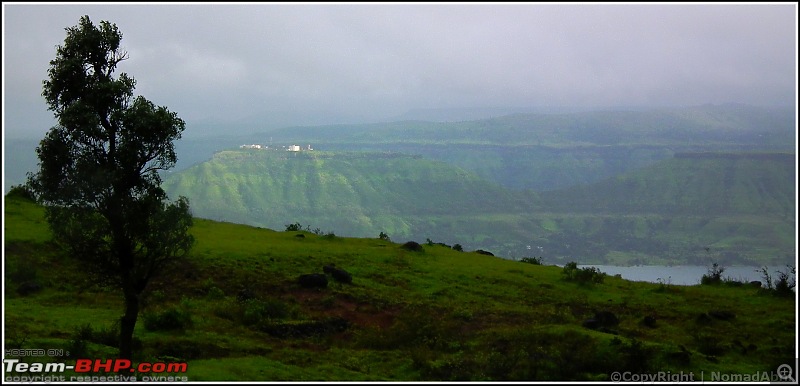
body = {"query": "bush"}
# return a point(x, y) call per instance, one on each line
point(383, 236)
point(215, 293)
point(294, 227)
point(21, 273)
point(21, 191)
point(714, 275)
point(458, 247)
point(169, 319)
point(108, 336)
point(784, 285)
point(586, 275)
point(532, 260)
point(254, 311)
point(412, 246)
point(78, 347)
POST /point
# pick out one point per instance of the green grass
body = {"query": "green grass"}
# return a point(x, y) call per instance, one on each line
point(437, 314)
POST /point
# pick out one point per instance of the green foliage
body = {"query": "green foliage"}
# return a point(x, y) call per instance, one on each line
point(294, 227)
point(19, 272)
point(449, 316)
point(169, 319)
point(22, 191)
point(383, 236)
point(98, 173)
point(714, 275)
point(458, 247)
point(412, 246)
point(531, 260)
point(784, 285)
point(256, 311)
point(215, 293)
point(352, 193)
point(585, 275)
point(252, 312)
point(418, 325)
point(786, 282)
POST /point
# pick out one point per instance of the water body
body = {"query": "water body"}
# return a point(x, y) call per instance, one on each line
point(685, 274)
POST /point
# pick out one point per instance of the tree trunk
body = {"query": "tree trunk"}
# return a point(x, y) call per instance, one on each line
point(128, 323)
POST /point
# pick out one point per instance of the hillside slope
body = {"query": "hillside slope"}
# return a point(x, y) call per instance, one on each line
point(692, 184)
point(234, 311)
point(350, 193)
point(739, 205)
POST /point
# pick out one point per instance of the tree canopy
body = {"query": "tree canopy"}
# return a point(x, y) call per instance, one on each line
point(99, 167)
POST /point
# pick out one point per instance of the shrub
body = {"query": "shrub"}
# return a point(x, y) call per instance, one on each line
point(714, 275)
point(532, 260)
point(586, 275)
point(383, 236)
point(169, 319)
point(254, 311)
point(785, 283)
point(412, 246)
point(21, 191)
point(21, 273)
point(458, 247)
point(636, 357)
point(108, 336)
point(215, 293)
point(78, 347)
point(294, 227)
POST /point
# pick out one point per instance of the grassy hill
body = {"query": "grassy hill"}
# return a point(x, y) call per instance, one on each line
point(740, 205)
point(546, 152)
point(351, 193)
point(692, 183)
point(235, 312)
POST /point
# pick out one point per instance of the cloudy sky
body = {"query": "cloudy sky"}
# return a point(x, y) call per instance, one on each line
point(282, 64)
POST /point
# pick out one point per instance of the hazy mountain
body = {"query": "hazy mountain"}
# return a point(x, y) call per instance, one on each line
point(351, 193)
point(724, 125)
point(692, 184)
point(739, 204)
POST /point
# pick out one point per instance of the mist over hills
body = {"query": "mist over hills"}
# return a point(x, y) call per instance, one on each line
point(738, 204)
point(735, 126)
point(622, 187)
point(348, 193)
point(691, 184)
point(558, 150)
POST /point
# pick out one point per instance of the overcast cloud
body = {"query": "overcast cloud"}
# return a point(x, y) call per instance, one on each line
point(321, 63)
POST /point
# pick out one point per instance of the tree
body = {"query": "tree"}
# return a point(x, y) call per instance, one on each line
point(98, 169)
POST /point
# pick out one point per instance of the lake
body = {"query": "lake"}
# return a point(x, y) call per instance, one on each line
point(685, 274)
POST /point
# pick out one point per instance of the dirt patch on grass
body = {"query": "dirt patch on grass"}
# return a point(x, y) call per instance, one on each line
point(323, 304)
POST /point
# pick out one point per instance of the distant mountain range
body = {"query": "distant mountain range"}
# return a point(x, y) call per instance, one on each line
point(668, 212)
point(654, 186)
